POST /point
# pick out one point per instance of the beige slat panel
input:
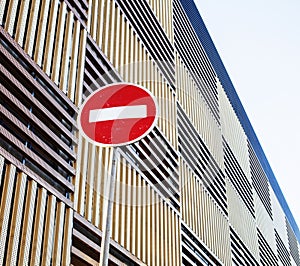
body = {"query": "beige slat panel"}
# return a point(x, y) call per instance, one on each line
point(59, 42)
point(58, 234)
point(41, 32)
point(21, 24)
point(80, 70)
point(264, 222)
point(2, 8)
point(11, 16)
point(66, 53)
point(74, 61)
point(112, 43)
point(67, 240)
point(197, 110)
point(100, 23)
point(38, 227)
point(241, 220)
point(15, 227)
point(163, 11)
point(233, 131)
point(24, 256)
point(32, 25)
point(127, 52)
point(50, 36)
point(5, 206)
point(118, 19)
point(91, 8)
point(279, 218)
point(204, 217)
point(106, 27)
point(49, 230)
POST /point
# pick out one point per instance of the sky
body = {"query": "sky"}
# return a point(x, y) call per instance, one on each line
point(259, 44)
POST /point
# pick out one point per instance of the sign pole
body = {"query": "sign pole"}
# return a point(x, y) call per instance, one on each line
point(104, 252)
point(112, 116)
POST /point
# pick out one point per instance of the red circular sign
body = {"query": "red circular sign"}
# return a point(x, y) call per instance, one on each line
point(117, 114)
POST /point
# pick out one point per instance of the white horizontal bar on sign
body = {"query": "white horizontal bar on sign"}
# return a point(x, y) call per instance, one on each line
point(120, 112)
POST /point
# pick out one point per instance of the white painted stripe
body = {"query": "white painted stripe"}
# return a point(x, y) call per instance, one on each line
point(120, 112)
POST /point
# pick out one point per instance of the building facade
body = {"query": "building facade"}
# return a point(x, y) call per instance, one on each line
point(197, 190)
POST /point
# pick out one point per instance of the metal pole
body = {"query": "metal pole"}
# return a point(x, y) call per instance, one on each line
point(104, 252)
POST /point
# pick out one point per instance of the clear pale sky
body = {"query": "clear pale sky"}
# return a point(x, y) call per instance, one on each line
point(259, 43)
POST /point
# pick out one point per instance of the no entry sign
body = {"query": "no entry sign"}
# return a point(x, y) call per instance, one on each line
point(118, 114)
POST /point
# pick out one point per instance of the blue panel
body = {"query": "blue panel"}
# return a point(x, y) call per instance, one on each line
point(213, 55)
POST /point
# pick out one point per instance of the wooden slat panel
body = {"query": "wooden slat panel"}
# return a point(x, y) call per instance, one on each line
point(84, 257)
point(118, 33)
point(15, 227)
point(100, 22)
point(50, 36)
point(2, 9)
point(38, 227)
point(106, 26)
point(21, 26)
point(58, 45)
point(49, 229)
point(91, 9)
point(32, 25)
point(24, 257)
point(67, 240)
point(80, 70)
point(74, 61)
point(41, 33)
point(11, 16)
point(5, 206)
point(111, 42)
point(58, 234)
point(67, 45)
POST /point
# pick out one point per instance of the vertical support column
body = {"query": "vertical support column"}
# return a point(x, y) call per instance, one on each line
point(104, 253)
